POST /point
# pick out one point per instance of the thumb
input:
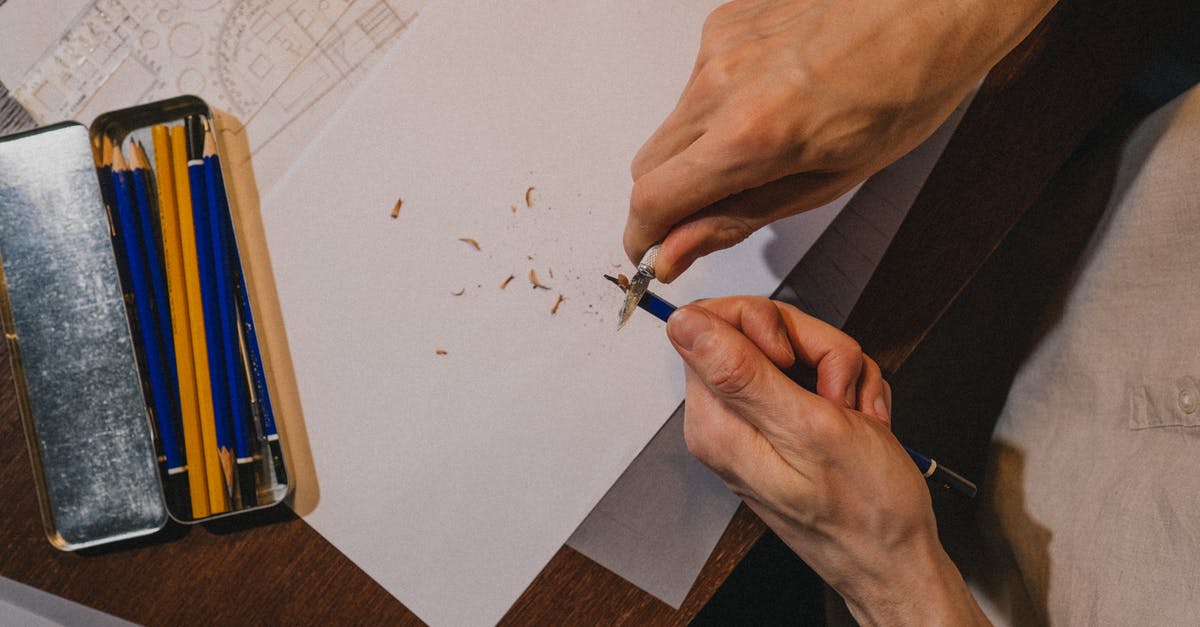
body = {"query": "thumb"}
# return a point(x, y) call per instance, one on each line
point(739, 374)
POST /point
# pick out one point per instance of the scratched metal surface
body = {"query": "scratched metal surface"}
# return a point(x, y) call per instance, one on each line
point(85, 396)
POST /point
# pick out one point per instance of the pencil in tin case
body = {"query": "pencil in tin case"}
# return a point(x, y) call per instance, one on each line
point(75, 321)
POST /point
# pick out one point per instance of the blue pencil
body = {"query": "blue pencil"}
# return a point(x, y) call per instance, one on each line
point(123, 196)
point(218, 210)
point(260, 401)
point(158, 283)
point(210, 302)
point(938, 474)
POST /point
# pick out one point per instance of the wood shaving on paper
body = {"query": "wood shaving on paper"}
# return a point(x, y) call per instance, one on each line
point(529, 197)
point(396, 208)
point(505, 283)
point(533, 280)
point(557, 302)
point(470, 240)
point(440, 352)
point(460, 292)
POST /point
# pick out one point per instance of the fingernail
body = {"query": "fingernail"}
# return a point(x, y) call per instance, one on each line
point(851, 394)
point(881, 407)
point(687, 327)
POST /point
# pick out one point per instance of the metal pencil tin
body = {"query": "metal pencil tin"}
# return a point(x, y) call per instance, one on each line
point(78, 361)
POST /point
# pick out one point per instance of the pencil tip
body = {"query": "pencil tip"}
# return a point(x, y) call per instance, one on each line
point(118, 159)
point(106, 148)
point(138, 158)
point(210, 147)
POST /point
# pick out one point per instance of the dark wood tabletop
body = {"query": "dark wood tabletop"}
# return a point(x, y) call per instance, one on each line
point(1030, 115)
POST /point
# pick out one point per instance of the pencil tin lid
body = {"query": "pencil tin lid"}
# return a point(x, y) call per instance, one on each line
point(73, 353)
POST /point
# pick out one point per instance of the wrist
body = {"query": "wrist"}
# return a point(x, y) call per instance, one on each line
point(995, 27)
point(927, 590)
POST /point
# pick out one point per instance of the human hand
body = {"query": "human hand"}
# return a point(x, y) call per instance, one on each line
point(791, 103)
point(823, 470)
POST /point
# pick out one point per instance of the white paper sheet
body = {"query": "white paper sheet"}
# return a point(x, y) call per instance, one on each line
point(452, 479)
point(26, 606)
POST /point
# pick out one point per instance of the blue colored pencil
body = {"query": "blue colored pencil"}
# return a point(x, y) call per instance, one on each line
point(123, 196)
point(218, 210)
point(210, 302)
point(260, 400)
point(158, 283)
point(929, 467)
point(107, 191)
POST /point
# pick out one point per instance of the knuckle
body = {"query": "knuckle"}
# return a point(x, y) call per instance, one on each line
point(734, 374)
point(872, 364)
point(716, 19)
point(637, 167)
point(847, 352)
point(718, 231)
point(830, 432)
point(642, 198)
point(771, 124)
point(723, 69)
point(730, 231)
point(645, 202)
point(763, 309)
point(752, 133)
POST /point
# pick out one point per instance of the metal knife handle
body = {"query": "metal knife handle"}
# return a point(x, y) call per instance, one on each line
point(646, 265)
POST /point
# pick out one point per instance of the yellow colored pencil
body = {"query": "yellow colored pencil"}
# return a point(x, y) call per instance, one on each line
point(189, 404)
point(191, 277)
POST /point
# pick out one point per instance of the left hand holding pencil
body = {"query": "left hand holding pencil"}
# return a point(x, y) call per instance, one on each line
point(823, 471)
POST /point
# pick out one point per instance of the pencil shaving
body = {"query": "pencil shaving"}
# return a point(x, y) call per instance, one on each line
point(558, 301)
point(623, 282)
point(460, 292)
point(529, 197)
point(505, 283)
point(533, 280)
point(474, 244)
point(440, 352)
point(396, 208)
point(513, 208)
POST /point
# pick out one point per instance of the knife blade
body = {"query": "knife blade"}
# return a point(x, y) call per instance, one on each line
point(638, 285)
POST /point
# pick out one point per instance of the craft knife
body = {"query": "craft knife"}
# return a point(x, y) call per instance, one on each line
point(638, 285)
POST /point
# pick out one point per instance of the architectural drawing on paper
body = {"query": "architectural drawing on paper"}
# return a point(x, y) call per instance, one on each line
point(280, 66)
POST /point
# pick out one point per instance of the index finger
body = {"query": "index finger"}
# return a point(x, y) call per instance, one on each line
point(698, 176)
point(837, 357)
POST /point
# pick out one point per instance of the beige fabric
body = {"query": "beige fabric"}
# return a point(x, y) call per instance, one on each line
point(1096, 457)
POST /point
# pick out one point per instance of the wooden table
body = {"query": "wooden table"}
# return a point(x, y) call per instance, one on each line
point(1030, 115)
